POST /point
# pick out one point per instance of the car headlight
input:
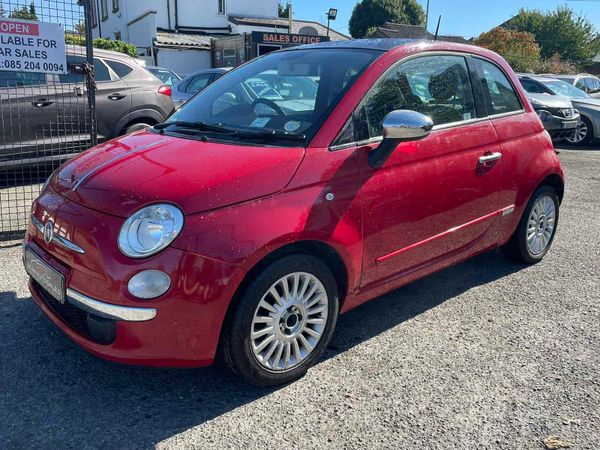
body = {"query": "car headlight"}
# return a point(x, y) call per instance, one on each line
point(150, 230)
point(544, 115)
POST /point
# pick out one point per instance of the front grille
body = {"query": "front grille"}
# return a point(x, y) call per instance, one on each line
point(567, 113)
point(94, 328)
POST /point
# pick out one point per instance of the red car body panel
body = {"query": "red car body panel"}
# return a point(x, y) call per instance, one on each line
point(428, 207)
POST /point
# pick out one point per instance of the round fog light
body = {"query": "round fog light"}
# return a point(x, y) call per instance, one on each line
point(149, 284)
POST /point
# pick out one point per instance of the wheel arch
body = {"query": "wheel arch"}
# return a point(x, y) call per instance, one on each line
point(556, 182)
point(325, 252)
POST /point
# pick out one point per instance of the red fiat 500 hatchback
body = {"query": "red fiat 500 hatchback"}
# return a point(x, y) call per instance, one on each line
point(296, 187)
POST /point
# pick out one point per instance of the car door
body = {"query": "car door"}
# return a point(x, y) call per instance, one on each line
point(28, 111)
point(114, 97)
point(432, 197)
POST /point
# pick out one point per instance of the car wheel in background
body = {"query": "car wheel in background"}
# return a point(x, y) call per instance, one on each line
point(136, 126)
point(283, 321)
point(535, 233)
point(583, 134)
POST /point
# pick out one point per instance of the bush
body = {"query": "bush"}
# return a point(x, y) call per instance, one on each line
point(556, 65)
point(103, 43)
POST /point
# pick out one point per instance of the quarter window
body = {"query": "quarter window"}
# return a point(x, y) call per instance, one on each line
point(502, 97)
point(122, 70)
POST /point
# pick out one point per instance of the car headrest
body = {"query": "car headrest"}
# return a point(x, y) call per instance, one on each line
point(447, 84)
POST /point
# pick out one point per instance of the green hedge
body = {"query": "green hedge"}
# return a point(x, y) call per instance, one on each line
point(105, 44)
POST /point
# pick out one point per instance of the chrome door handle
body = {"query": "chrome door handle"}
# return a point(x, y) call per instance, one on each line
point(485, 159)
point(116, 96)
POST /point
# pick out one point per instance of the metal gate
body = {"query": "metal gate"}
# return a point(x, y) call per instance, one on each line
point(47, 112)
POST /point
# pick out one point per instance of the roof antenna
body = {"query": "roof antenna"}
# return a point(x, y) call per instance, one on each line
point(437, 29)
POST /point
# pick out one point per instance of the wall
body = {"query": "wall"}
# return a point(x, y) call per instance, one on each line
point(183, 62)
point(142, 32)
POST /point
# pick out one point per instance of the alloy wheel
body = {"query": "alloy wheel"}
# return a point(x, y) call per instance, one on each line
point(289, 321)
point(579, 134)
point(540, 225)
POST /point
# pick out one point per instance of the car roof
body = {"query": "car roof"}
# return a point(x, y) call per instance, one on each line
point(383, 44)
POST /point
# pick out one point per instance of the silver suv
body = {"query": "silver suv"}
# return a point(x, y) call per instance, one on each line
point(44, 117)
point(589, 84)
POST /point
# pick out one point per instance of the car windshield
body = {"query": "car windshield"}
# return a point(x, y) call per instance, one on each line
point(283, 96)
point(166, 76)
point(565, 89)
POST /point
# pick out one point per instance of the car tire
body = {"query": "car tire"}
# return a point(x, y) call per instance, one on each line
point(540, 214)
point(586, 124)
point(240, 346)
point(136, 127)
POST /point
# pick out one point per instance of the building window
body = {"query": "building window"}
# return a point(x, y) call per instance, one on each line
point(94, 14)
point(221, 6)
point(117, 35)
point(229, 57)
point(115, 6)
point(103, 9)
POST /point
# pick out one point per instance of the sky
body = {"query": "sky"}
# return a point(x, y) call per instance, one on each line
point(466, 18)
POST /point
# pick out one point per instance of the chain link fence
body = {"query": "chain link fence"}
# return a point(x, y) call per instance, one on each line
point(47, 112)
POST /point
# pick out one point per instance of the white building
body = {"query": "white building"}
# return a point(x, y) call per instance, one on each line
point(177, 34)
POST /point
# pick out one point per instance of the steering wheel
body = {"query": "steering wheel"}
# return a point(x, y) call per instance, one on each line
point(270, 103)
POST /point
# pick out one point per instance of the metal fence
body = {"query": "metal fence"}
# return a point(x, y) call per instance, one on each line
point(47, 112)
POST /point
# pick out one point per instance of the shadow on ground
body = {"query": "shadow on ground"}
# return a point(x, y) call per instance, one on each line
point(55, 395)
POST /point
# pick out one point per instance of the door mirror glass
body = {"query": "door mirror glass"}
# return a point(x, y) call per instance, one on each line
point(399, 126)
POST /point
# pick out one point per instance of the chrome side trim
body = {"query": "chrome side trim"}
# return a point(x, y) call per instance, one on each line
point(58, 240)
point(109, 311)
point(507, 211)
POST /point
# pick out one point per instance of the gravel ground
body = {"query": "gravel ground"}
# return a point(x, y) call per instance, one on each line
point(487, 354)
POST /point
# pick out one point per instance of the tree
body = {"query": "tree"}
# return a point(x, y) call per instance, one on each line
point(518, 47)
point(103, 43)
point(560, 32)
point(25, 12)
point(284, 10)
point(374, 13)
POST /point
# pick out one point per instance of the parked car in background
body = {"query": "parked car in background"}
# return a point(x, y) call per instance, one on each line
point(194, 83)
point(47, 118)
point(588, 127)
point(246, 227)
point(167, 76)
point(589, 84)
point(559, 117)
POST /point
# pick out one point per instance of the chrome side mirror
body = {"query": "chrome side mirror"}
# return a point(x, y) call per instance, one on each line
point(399, 126)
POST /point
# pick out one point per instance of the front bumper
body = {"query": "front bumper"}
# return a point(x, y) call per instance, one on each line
point(558, 127)
point(179, 329)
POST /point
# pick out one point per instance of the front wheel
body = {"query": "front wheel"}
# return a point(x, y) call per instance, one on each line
point(283, 321)
point(535, 233)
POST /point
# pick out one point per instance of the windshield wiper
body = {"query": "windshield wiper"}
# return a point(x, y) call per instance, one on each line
point(200, 126)
point(271, 134)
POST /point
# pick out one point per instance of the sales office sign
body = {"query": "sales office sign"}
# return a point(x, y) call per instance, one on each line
point(28, 46)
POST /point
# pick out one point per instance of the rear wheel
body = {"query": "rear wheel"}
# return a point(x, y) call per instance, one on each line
point(535, 233)
point(583, 134)
point(136, 126)
point(283, 322)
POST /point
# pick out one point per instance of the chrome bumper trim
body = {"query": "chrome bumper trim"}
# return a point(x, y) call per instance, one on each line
point(109, 311)
point(58, 240)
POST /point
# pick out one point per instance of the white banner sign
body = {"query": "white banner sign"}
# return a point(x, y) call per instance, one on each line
point(28, 46)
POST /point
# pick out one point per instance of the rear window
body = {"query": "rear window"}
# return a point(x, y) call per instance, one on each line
point(122, 70)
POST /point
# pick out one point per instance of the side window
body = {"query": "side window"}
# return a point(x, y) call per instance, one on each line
point(21, 79)
point(533, 87)
point(437, 86)
point(503, 98)
point(198, 83)
point(76, 75)
point(122, 70)
point(581, 85)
